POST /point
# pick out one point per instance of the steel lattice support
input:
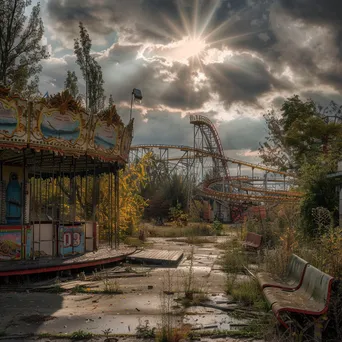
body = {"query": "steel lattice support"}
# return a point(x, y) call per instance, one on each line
point(205, 167)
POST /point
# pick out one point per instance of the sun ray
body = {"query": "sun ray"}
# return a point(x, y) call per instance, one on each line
point(174, 27)
point(195, 19)
point(225, 25)
point(185, 23)
point(238, 36)
point(208, 18)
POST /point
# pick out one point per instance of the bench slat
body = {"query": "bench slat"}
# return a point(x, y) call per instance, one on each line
point(253, 240)
point(293, 278)
point(312, 298)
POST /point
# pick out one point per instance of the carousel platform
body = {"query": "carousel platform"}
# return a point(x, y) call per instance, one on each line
point(156, 257)
point(103, 256)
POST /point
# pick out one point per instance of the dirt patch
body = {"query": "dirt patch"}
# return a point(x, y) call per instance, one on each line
point(194, 240)
point(37, 318)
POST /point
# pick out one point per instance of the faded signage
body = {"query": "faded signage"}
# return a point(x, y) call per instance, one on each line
point(10, 243)
point(53, 124)
point(105, 136)
point(71, 240)
point(8, 119)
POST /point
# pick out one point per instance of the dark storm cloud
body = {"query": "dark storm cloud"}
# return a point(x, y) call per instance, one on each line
point(262, 27)
point(315, 12)
point(241, 78)
point(244, 25)
point(242, 133)
point(156, 20)
point(180, 93)
point(318, 62)
point(124, 73)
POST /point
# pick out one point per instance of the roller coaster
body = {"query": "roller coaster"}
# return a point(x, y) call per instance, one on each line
point(210, 171)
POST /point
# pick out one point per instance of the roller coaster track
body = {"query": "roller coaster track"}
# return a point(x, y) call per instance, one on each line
point(200, 152)
point(237, 183)
point(222, 176)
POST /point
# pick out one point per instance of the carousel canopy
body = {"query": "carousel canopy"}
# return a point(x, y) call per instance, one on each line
point(57, 131)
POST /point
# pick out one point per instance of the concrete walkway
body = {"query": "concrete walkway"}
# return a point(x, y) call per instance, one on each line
point(37, 313)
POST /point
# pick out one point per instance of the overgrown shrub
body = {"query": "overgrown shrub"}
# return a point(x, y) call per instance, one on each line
point(248, 293)
point(217, 227)
point(234, 259)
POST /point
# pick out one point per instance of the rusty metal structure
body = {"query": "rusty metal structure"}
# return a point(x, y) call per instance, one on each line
point(231, 185)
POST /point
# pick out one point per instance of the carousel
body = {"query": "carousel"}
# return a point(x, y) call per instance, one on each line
point(53, 158)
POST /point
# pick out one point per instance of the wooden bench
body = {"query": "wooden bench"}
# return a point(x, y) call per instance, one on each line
point(253, 241)
point(293, 278)
point(311, 300)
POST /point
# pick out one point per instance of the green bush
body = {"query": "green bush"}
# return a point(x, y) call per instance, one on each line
point(217, 227)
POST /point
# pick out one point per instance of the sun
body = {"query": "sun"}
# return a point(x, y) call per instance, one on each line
point(187, 48)
point(194, 47)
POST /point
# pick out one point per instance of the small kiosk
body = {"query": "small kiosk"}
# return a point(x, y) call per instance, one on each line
point(53, 157)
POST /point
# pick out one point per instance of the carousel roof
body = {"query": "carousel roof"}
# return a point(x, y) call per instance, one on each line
point(60, 125)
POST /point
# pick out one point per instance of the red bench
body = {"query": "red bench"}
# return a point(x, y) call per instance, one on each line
point(291, 281)
point(253, 241)
point(311, 299)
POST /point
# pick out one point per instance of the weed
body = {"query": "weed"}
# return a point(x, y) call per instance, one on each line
point(133, 241)
point(111, 286)
point(275, 261)
point(189, 278)
point(248, 293)
point(193, 229)
point(97, 275)
point(197, 299)
point(107, 332)
point(44, 335)
point(78, 289)
point(56, 289)
point(145, 330)
point(194, 240)
point(81, 335)
point(217, 227)
point(234, 260)
point(230, 282)
point(174, 335)
point(169, 330)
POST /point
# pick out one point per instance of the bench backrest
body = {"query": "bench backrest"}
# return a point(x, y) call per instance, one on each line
point(254, 238)
point(317, 284)
point(296, 268)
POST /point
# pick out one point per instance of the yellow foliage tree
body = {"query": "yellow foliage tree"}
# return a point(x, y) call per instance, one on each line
point(131, 203)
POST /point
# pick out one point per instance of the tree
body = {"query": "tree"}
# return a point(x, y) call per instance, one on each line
point(71, 83)
point(20, 45)
point(131, 203)
point(111, 101)
point(91, 71)
point(320, 191)
point(300, 133)
point(306, 138)
point(164, 192)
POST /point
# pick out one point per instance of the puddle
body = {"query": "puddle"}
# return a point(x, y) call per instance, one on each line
point(212, 319)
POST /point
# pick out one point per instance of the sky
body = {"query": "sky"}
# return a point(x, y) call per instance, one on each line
point(230, 60)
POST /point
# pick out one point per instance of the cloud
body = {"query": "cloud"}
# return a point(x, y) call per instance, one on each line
point(241, 78)
point(256, 54)
point(157, 127)
point(242, 133)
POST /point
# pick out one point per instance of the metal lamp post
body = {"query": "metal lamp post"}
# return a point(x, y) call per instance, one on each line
point(136, 95)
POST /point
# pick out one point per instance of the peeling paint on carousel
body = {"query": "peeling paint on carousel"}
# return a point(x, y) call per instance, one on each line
point(46, 147)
